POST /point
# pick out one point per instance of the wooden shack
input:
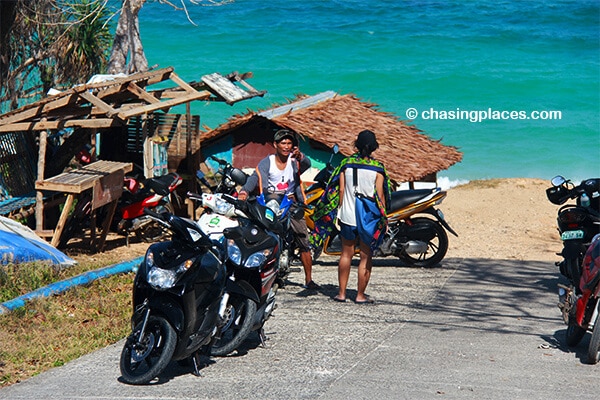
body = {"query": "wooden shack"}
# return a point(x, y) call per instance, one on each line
point(125, 122)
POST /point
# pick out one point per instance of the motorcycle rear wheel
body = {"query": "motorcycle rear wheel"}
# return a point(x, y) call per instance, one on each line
point(594, 348)
point(238, 323)
point(436, 247)
point(154, 232)
point(143, 361)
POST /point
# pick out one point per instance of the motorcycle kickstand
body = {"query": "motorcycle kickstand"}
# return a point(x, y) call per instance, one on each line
point(263, 338)
point(197, 364)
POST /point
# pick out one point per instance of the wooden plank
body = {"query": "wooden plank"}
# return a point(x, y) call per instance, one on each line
point(99, 103)
point(141, 93)
point(36, 110)
point(82, 179)
point(160, 106)
point(181, 83)
point(106, 225)
point(224, 87)
point(51, 125)
point(107, 189)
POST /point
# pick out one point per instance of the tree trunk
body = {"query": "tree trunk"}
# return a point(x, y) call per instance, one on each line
point(7, 17)
point(128, 42)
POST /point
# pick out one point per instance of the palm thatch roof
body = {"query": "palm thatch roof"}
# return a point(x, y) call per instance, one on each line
point(329, 118)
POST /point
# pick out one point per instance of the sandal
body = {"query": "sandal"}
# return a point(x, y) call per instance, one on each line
point(339, 300)
point(368, 300)
point(311, 286)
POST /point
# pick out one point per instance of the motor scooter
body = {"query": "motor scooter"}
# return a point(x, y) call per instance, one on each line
point(177, 294)
point(251, 233)
point(416, 230)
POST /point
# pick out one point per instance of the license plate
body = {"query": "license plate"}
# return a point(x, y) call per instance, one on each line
point(571, 235)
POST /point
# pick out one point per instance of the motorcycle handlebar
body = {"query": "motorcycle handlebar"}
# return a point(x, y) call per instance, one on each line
point(220, 161)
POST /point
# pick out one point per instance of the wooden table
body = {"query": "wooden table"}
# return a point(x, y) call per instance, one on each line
point(105, 178)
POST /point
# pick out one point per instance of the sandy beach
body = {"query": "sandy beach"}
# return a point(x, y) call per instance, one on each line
point(502, 219)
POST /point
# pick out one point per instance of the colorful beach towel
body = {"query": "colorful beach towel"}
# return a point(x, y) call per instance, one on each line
point(327, 206)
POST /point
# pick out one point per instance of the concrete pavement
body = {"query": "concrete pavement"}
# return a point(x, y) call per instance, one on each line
point(473, 328)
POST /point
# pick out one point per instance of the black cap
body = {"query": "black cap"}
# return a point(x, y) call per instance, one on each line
point(283, 134)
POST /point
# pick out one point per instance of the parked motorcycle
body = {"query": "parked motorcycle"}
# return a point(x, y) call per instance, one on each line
point(583, 313)
point(416, 228)
point(577, 224)
point(285, 209)
point(154, 193)
point(177, 294)
point(251, 232)
point(230, 178)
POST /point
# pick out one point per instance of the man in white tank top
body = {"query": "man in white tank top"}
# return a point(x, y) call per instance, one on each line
point(281, 171)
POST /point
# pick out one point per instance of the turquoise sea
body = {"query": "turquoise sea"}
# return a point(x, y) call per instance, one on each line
point(452, 62)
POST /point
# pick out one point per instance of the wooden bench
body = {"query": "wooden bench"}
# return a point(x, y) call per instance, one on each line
point(104, 178)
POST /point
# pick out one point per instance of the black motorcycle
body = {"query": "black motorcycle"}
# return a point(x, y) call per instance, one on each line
point(230, 178)
point(577, 225)
point(251, 234)
point(177, 293)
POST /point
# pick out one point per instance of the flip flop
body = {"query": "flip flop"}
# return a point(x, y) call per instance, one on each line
point(368, 300)
point(339, 300)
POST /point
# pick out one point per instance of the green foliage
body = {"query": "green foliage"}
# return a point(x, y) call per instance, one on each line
point(52, 44)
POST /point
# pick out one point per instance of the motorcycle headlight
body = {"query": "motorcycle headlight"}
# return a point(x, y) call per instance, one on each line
point(257, 259)
point(233, 252)
point(163, 279)
point(274, 206)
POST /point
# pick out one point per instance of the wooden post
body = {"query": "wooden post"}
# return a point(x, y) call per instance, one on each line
point(62, 220)
point(41, 167)
point(148, 148)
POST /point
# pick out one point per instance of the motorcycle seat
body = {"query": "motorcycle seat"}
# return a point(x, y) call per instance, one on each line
point(160, 184)
point(402, 198)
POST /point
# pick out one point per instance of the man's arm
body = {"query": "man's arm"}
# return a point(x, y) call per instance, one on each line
point(254, 180)
point(304, 164)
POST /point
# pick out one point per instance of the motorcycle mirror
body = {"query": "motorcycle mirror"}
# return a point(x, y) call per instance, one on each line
point(336, 148)
point(558, 180)
point(239, 176)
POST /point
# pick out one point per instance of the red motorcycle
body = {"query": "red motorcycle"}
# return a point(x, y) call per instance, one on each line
point(154, 194)
point(583, 313)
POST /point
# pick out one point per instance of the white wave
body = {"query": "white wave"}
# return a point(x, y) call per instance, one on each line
point(443, 182)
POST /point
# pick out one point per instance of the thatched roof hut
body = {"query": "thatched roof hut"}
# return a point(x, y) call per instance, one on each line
point(329, 118)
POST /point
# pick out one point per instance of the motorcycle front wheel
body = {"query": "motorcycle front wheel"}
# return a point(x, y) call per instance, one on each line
point(594, 348)
point(239, 319)
point(437, 246)
point(142, 361)
point(154, 232)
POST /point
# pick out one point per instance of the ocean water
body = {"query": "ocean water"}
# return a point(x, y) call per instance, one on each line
point(461, 67)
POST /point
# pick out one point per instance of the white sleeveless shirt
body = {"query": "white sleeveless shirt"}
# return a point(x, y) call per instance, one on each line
point(365, 185)
point(281, 180)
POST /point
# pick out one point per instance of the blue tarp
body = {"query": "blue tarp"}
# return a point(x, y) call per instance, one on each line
point(19, 244)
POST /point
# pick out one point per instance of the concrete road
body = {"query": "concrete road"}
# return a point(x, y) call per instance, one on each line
point(471, 329)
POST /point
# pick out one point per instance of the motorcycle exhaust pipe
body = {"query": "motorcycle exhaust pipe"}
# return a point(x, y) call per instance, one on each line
point(140, 222)
point(415, 247)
